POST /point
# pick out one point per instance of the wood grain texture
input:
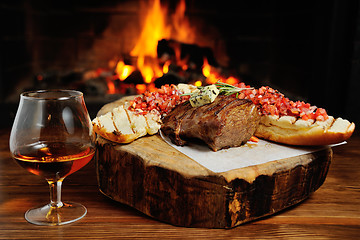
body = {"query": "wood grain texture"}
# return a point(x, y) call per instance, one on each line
point(163, 183)
point(332, 212)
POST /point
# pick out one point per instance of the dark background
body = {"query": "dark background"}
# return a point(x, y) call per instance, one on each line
point(307, 49)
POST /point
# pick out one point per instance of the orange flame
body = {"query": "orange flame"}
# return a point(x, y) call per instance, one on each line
point(198, 83)
point(141, 88)
point(123, 70)
point(166, 67)
point(206, 68)
point(232, 80)
point(212, 76)
point(111, 87)
point(184, 32)
point(156, 28)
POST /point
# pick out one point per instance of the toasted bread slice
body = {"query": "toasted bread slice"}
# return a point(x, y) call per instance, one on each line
point(137, 123)
point(124, 126)
point(153, 123)
point(114, 126)
point(292, 131)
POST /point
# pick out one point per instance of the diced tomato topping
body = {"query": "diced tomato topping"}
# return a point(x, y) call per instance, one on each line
point(272, 102)
point(163, 100)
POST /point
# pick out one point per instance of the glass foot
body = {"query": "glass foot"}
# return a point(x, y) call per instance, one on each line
point(52, 216)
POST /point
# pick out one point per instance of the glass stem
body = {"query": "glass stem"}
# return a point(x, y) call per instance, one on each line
point(55, 193)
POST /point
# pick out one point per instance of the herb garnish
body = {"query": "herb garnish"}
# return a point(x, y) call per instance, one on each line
point(225, 89)
point(228, 89)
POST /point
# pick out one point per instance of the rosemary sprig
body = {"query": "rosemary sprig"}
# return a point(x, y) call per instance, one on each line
point(228, 89)
point(225, 89)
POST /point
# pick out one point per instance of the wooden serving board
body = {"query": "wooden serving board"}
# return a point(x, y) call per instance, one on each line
point(165, 184)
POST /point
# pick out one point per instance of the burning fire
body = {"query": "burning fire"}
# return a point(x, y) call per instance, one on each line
point(123, 70)
point(155, 28)
point(212, 76)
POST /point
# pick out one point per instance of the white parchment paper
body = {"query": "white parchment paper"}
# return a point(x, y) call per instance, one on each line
point(247, 155)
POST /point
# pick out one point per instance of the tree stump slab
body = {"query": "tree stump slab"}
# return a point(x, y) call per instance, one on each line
point(156, 179)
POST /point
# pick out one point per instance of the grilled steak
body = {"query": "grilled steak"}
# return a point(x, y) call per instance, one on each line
point(227, 122)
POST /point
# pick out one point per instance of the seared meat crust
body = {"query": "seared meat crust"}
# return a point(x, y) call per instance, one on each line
point(227, 122)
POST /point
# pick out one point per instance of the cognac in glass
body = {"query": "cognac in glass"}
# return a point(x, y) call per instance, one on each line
point(52, 137)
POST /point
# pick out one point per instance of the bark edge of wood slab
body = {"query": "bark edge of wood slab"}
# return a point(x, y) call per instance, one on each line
point(165, 184)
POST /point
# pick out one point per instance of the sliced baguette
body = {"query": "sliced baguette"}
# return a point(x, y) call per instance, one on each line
point(124, 126)
point(153, 123)
point(137, 123)
point(292, 131)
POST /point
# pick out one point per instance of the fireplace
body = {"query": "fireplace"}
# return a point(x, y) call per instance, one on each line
point(306, 50)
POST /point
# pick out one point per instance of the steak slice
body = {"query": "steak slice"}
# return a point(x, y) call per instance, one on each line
point(226, 122)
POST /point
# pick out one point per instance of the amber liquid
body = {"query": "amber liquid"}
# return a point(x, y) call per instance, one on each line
point(55, 160)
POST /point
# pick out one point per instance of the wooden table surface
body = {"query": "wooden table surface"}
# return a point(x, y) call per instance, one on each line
point(332, 212)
